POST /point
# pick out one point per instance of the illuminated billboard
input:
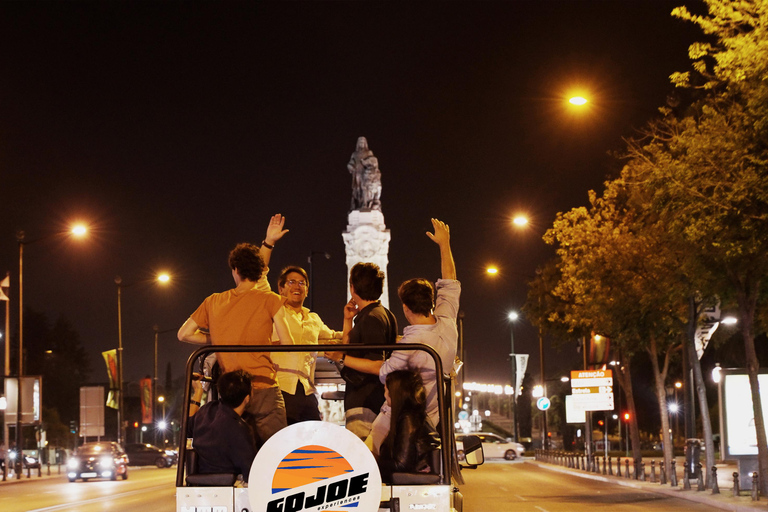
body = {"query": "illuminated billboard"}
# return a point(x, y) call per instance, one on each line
point(740, 438)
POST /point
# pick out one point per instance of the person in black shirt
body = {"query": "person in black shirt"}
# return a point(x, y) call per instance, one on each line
point(222, 439)
point(373, 325)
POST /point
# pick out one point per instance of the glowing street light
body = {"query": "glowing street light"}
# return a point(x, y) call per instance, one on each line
point(79, 230)
point(492, 270)
point(578, 101)
point(520, 221)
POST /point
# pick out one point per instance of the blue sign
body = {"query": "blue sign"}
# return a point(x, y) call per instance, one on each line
point(463, 415)
point(543, 403)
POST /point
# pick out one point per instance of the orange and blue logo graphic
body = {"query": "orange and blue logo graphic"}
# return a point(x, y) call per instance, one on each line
point(307, 465)
point(327, 468)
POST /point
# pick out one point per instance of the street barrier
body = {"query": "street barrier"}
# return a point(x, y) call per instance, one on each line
point(715, 487)
point(673, 474)
point(755, 487)
point(653, 471)
point(700, 486)
point(736, 490)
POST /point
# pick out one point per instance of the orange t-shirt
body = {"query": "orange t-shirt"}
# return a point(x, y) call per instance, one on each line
point(242, 317)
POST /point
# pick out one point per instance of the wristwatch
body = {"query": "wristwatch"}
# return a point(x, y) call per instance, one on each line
point(340, 362)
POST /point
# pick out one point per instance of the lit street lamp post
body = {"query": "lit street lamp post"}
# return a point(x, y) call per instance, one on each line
point(154, 378)
point(162, 278)
point(513, 316)
point(78, 231)
point(162, 423)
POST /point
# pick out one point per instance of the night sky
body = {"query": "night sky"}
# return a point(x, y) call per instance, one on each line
point(176, 129)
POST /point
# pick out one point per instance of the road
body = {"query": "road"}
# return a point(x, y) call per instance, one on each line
point(497, 486)
point(503, 486)
point(146, 489)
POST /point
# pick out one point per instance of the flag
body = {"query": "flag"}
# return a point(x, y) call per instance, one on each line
point(146, 400)
point(5, 283)
point(110, 358)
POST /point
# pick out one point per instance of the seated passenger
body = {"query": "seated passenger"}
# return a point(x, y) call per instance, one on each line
point(222, 439)
point(407, 447)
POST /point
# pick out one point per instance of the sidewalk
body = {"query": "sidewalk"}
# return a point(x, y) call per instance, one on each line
point(724, 501)
point(12, 478)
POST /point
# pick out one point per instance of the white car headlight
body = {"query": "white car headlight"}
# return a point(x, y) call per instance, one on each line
point(106, 462)
point(73, 463)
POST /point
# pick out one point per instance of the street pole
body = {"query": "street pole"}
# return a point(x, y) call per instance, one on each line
point(312, 275)
point(514, 379)
point(120, 410)
point(154, 381)
point(19, 408)
point(545, 437)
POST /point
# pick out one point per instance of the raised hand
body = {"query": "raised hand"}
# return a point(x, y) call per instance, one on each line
point(275, 229)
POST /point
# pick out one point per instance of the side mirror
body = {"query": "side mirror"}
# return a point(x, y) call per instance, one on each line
point(473, 452)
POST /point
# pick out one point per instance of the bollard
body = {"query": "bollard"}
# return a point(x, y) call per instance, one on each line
point(673, 473)
point(597, 465)
point(736, 490)
point(653, 471)
point(626, 468)
point(686, 478)
point(605, 469)
point(700, 483)
point(636, 464)
point(610, 467)
point(642, 471)
point(582, 462)
point(48, 468)
point(618, 466)
point(755, 487)
point(663, 474)
point(715, 487)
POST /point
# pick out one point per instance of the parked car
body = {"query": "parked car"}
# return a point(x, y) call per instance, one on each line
point(98, 460)
point(493, 446)
point(146, 454)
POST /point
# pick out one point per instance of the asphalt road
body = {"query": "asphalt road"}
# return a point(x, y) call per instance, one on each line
point(504, 486)
point(146, 489)
point(497, 486)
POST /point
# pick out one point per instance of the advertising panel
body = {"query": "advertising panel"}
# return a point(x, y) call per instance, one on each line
point(739, 418)
point(31, 399)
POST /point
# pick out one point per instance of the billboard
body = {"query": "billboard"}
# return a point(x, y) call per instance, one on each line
point(31, 399)
point(740, 437)
point(91, 411)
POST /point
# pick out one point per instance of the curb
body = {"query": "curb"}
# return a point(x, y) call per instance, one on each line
point(721, 501)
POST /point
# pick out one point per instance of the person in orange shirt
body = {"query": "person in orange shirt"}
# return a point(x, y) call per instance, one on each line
point(245, 315)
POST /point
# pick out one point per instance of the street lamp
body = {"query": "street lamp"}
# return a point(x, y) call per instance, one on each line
point(162, 424)
point(78, 231)
point(161, 278)
point(158, 332)
point(310, 260)
point(513, 317)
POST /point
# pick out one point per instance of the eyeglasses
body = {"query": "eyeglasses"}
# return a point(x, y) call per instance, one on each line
point(294, 282)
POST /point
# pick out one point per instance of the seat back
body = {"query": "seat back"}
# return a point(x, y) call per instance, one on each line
point(195, 479)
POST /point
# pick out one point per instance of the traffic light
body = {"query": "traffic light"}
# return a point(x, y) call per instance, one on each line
point(135, 424)
point(600, 422)
point(73, 427)
point(626, 417)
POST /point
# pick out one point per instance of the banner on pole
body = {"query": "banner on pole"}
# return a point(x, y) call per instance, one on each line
point(146, 400)
point(110, 358)
point(521, 364)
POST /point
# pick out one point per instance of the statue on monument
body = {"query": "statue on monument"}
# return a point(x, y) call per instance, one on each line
point(366, 178)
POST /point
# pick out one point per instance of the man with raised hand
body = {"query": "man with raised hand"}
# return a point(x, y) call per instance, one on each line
point(432, 322)
point(245, 315)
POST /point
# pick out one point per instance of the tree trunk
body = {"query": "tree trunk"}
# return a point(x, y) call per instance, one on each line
point(701, 392)
point(625, 377)
point(747, 305)
point(660, 377)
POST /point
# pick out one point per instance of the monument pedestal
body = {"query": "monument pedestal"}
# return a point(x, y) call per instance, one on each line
point(366, 240)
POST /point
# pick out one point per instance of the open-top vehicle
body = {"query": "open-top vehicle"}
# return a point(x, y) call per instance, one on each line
point(437, 490)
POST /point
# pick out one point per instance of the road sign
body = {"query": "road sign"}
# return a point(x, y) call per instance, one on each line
point(592, 390)
point(543, 403)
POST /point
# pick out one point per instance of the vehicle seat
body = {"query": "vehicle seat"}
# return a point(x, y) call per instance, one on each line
point(195, 479)
point(431, 478)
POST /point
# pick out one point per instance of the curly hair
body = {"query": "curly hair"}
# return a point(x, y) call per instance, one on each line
point(245, 258)
point(418, 294)
point(368, 280)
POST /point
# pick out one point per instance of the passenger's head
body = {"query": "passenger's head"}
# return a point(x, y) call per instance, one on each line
point(405, 392)
point(246, 260)
point(418, 295)
point(293, 283)
point(233, 387)
point(367, 281)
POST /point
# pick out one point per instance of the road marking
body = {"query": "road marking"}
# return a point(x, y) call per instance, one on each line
point(542, 509)
point(517, 496)
point(97, 500)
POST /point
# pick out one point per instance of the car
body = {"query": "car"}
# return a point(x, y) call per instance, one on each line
point(493, 446)
point(103, 459)
point(142, 454)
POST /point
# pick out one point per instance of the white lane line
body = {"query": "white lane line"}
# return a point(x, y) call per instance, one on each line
point(542, 509)
point(518, 497)
point(102, 498)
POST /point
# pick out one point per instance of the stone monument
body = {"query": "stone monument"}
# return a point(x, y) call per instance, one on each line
point(367, 237)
